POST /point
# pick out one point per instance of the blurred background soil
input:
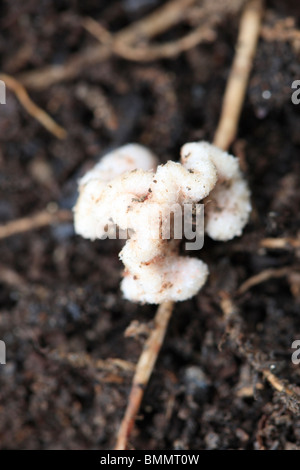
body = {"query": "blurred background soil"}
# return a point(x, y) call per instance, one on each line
point(61, 309)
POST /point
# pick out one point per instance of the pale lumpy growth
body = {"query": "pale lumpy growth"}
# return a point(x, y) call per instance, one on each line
point(92, 212)
point(128, 190)
point(86, 212)
point(172, 277)
point(228, 206)
point(179, 183)
point(118, 161)
point(196, 158)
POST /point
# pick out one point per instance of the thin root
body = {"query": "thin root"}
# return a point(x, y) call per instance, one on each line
point(237, 82)
point(280, 243)
point(262, 277)
point(85, 360)
point(143, 371)
point(152, 25)
point(34, 110)
point(41, 219)
point(152, 52)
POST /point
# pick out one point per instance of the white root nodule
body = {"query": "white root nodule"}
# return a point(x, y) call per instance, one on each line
point(128, 189)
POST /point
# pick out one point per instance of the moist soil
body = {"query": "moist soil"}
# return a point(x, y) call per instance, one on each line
point(61, 309)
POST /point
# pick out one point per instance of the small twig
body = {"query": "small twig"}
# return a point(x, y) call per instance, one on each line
point(34, 110)
point(262, 277)
point(85, 360)
point(283, 30)
point(162, 19)
point(278, 384)
point(239, 74)
point(151, 52)
point(41, 219)
point(137, 330)
point(152, 347)
point(234, 331)
point(148, 27)
point(10, 277)
point(272, 34)
point(280, 243)
point(110, 370)
point(95, 100)
point(143, 371)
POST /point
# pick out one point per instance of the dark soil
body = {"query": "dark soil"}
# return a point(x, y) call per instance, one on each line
point(59, 293)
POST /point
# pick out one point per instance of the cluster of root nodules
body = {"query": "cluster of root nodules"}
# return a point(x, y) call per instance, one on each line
point(128, 190)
